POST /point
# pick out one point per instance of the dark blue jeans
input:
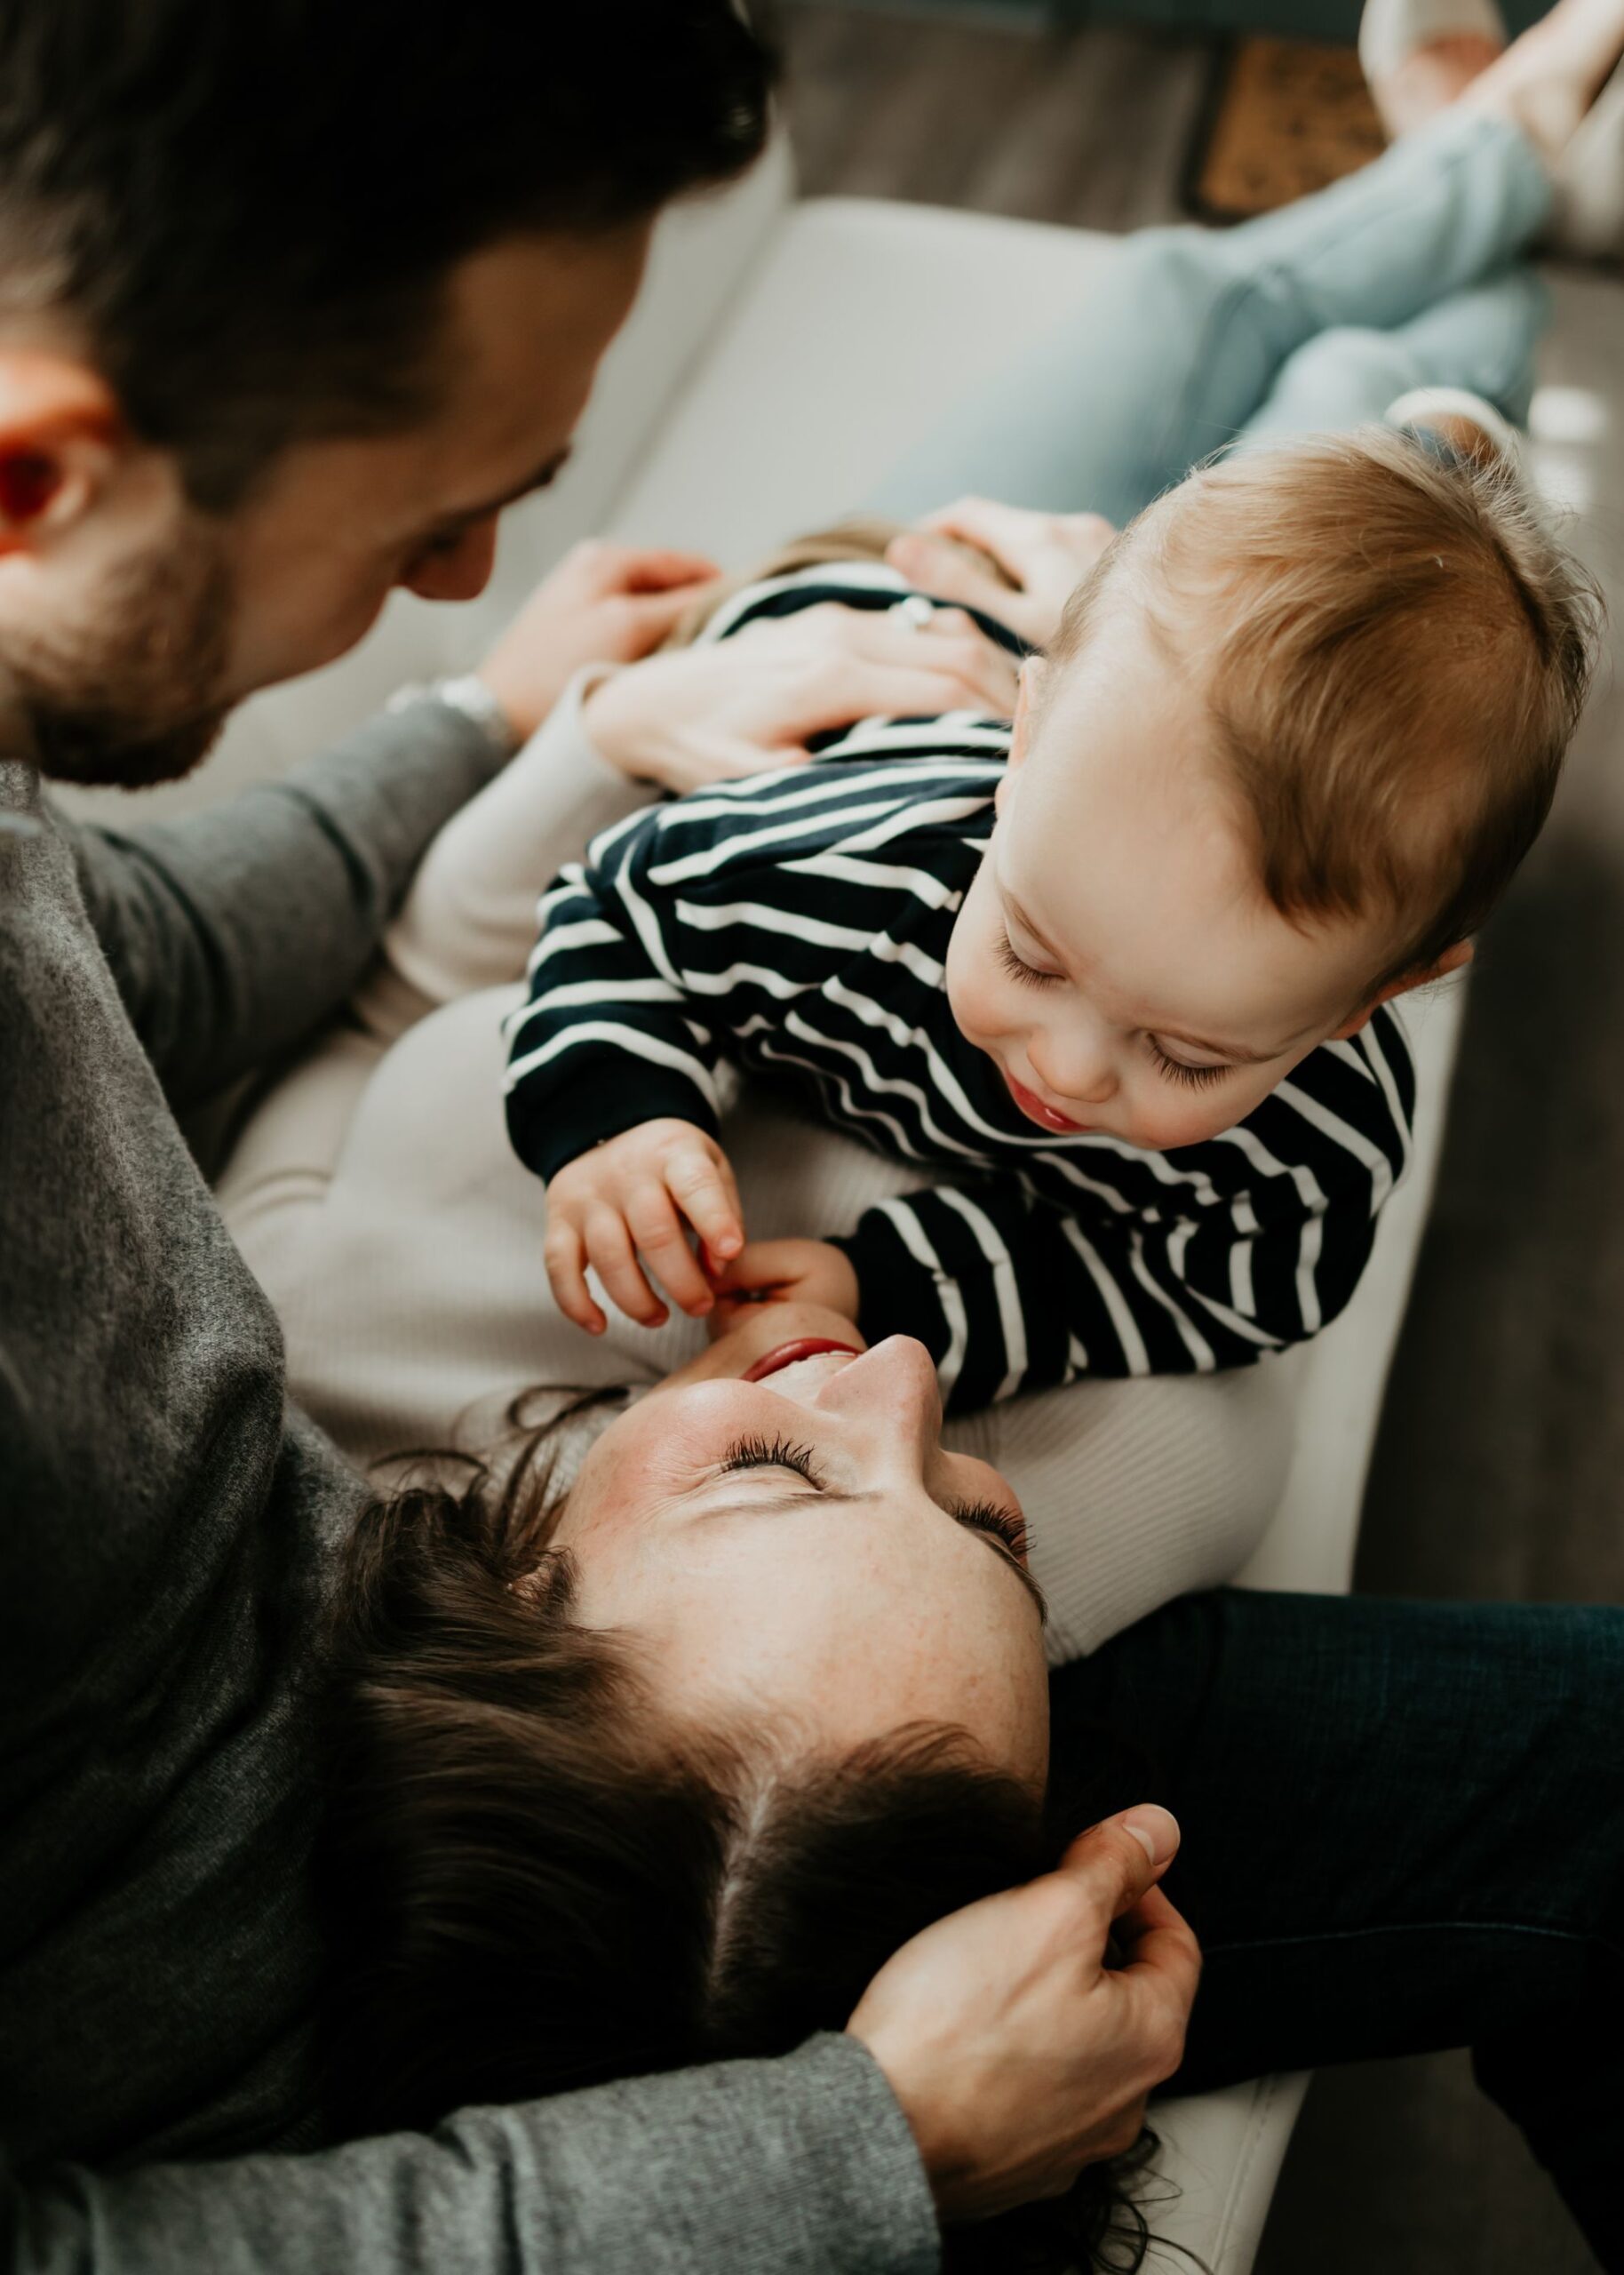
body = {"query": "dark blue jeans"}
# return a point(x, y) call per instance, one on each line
point(1404, 1830)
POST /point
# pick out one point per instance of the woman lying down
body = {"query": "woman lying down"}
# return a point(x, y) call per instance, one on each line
point(662, 1727)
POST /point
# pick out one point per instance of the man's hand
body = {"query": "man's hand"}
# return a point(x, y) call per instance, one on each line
point(1017, 2054)
point(633, 1196)
point(782, 1271)
point(1046, 555)
point(739, 706)
point(602, 604)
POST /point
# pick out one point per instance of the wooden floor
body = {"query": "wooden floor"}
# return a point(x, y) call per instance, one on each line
point(1502, 1452)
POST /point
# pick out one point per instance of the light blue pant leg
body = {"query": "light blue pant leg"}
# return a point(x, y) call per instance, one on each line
point(1483, 339)
point(1181, 340)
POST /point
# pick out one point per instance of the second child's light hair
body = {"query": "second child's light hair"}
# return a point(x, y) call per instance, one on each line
point(1395, 652)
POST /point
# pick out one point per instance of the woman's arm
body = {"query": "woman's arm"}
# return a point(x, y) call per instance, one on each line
point(469, 920)
point(620, 739)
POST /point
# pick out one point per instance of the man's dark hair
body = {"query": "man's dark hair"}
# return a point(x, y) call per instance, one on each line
point(250, 212)
point(538, 1883)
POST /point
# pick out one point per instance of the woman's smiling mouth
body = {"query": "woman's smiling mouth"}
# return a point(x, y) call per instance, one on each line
point(785, 1354)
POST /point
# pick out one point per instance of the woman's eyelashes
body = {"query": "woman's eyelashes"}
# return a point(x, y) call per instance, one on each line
point(772, 1453)
point(1006, 1525)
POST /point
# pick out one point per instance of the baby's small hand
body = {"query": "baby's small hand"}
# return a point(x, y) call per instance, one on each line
point(783, 1272)
point(628, 1198)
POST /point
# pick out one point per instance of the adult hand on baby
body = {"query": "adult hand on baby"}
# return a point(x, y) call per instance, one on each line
point(1018, 2054)
point(735, 706)
point(1046, 556)
point(629, 1197)
point(783, 1271)
point(602, 604)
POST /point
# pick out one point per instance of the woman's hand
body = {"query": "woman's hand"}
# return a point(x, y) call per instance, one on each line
point(782, 1271)
point(1047, 556)
point(602, 604)
point(738, 706)
point(1018, 2054)
point(633, 1196)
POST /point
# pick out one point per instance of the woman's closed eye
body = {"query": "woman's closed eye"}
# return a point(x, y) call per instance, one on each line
point(772, 1453)
point(1008, 1526)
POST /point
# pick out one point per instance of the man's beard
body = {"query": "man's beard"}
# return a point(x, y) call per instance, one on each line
point(133, 699)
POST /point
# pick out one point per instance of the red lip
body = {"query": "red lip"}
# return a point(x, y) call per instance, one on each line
point(805, 1347)
point(1035, 1110)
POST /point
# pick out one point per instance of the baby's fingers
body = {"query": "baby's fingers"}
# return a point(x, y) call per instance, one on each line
point(608, 1246)
point(702, 1185)
point(564, 1255)
point(657, 1230)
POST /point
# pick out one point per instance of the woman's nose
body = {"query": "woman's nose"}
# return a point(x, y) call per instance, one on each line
point(1080, 1067)
point(895, 1383)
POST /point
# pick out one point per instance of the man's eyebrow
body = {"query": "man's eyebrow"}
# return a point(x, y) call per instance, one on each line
point(1234, 1051)
point(543, 474)
point(782, 1503)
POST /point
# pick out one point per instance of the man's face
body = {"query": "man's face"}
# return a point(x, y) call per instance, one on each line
point(131, 641)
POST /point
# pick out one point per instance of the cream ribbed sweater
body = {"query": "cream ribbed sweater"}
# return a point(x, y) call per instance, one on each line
point(375, 1194)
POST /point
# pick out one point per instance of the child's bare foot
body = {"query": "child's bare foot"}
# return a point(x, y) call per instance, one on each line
point(1547, 80)
point(1420, 56)
point(1471, 427)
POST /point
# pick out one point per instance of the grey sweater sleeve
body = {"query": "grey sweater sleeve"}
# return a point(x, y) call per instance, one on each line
point(232, 933)
point(798, 2166)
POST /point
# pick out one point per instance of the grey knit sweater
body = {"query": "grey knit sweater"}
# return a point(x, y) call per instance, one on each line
point(167, 1525)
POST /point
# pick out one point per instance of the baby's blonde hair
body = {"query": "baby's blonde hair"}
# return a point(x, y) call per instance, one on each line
point(1396, 651)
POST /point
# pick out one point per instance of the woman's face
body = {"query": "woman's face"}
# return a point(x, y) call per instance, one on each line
point(799, 1547)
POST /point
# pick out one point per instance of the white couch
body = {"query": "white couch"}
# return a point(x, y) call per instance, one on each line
point(733, 411)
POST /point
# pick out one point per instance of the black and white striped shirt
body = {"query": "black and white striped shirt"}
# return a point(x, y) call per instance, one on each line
point(796, 925)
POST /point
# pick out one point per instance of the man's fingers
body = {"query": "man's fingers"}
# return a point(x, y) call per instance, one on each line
point(1112, 1865)
point(1004, 531)
point(655, 571)
point(565, 1261)
point(1158, 1942)
point(608, 1244)
point(941, 569)
point(709, 1201)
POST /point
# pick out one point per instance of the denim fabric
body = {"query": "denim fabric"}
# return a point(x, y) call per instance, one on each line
point(1187, 334)
point(1404, 1830)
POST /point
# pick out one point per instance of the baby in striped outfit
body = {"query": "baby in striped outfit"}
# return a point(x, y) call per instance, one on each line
point(1118, 976)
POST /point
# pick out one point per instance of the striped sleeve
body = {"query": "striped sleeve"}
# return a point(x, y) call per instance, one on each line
point(607, 1037)
point(1009, 1293)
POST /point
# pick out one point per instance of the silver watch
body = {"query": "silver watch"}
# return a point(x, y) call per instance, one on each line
point(468, 694)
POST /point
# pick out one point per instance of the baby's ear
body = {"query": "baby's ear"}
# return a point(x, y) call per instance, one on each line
point(1020, 739)
point(1452, 960)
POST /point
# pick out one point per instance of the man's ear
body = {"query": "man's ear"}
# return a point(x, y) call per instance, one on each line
point(1020, 739)
point(60, 437)
point(1452, 960)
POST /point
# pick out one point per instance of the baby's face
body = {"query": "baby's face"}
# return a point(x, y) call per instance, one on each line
point(1116, 956)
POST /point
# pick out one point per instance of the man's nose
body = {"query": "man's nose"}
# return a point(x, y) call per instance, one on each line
point(1080, 1066)
point(459, 572)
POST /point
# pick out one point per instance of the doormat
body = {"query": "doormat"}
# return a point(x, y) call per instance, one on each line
point(1285, 117)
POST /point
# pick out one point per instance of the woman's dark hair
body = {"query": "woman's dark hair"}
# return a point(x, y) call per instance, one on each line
point(540, 1884)
point(250, 212)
